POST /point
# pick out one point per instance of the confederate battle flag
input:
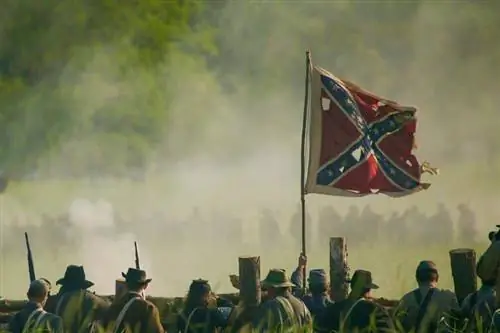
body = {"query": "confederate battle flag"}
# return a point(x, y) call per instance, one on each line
point(360, 143)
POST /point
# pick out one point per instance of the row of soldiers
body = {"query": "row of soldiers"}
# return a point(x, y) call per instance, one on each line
point(411, 226)
point(75, 309)
point(285, 308)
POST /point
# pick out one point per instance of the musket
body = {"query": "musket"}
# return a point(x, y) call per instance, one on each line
point(137, 264)
point(31, 266)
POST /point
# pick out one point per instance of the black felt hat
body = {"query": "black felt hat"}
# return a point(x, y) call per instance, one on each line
point(362, 279)
point(136, 276)
point(75, 276)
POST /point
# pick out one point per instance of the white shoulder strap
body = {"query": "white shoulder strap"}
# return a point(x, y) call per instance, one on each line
point(30, 320)
point(287, 306)
point(40, 318)
point(344, 320)
point(188, 321)
point(119, 320)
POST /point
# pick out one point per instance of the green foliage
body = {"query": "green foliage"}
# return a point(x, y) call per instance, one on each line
point(94, 86)
point(53, 53)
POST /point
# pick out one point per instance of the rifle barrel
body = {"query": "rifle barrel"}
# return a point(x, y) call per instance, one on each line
point(31, 265)
point(137, 264)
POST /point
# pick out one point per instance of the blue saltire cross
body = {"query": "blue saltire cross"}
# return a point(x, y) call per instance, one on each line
point(370, 136)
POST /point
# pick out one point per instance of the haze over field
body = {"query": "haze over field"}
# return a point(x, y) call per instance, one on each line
point(207, 107)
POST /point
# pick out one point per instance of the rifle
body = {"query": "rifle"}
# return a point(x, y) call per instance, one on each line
point(137, 265)
point(31, 266)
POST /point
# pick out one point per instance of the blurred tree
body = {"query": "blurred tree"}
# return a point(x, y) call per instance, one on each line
point(97, 85)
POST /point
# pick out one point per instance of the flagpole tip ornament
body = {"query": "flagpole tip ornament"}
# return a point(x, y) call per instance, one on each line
point(427, 168)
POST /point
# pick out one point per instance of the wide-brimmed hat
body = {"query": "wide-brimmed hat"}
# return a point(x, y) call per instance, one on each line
point(136, 276)
point(276, 278)
point(75, 276)
point(317, 276)
point(362, 279)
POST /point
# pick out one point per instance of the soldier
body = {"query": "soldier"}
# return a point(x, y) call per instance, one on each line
point(201, 226)
point(318, 285)
point(295, 227)
point(358, 313)
point(269, 229)
point(352, 223)
point(329, 223)
point(372, 224)
point(234, 228)
point(421, 309)
point(318, 299)
point(203, 312)
point(396, 229)
point(487, 268)
point(132, 312)
point(414, 217)
point(441, 226)
point(467, 231)
point(77, 306)
point(33, 318)
point(282, 311)
point(489, 263)
point(479, 307)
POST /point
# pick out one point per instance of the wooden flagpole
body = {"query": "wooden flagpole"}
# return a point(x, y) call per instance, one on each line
point(3, 186)
point(303, 163)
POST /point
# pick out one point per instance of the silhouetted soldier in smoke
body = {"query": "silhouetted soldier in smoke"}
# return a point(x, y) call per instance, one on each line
point(235, 230)
point(371, 225)
point(165, 229)
point(296, 227)
point(199, 227)
point(467, 228)
point(269, 229)
point(52, 231)
point(228, 228)
point(396, 229)
point(440, 230)
point(179, 232)
point(416, 222)
point(352, 224)
point(10, 237)
point(329, 225)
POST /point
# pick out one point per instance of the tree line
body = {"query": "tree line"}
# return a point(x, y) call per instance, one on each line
point(101, 87)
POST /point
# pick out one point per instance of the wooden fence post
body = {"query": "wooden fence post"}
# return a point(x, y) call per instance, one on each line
point(463, 269)
point(249, 271)
point(120, 289)
point(339, 270)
